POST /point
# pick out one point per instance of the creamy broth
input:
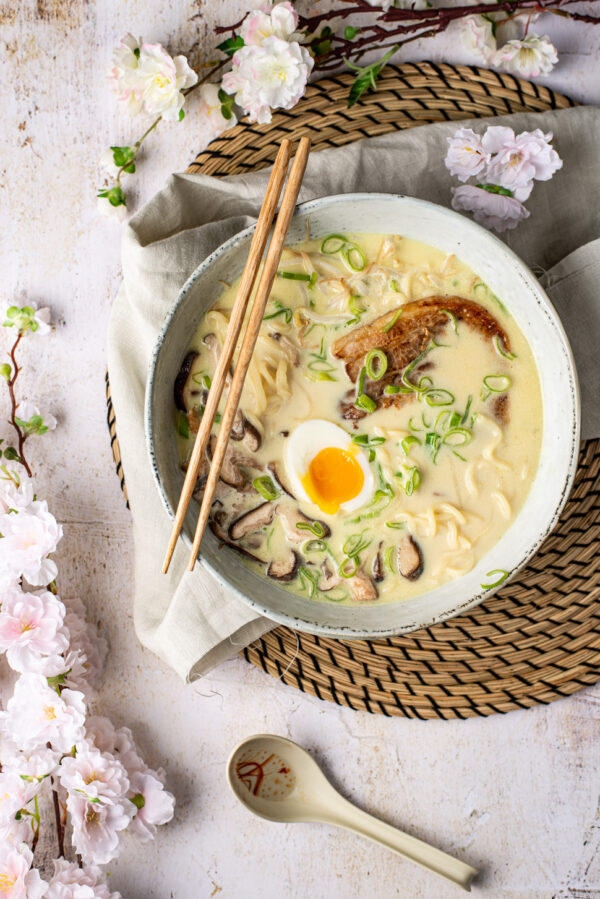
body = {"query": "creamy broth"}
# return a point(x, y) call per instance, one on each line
point(445, 469)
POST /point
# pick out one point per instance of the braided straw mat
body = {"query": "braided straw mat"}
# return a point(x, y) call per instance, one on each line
point(538, 638)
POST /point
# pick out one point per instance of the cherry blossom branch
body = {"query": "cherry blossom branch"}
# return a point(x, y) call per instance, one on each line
point(60, 830)
point(21, 436)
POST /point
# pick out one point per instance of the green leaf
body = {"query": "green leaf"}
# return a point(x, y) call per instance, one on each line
point(35, 425)
point(136, 52)
point(22, 319)
point(123, 155)
point(130, 169)
point(326, 31)
point(232, 44)
point(5, 371)
point(495, 189)
point(181, 116)
point(115, 196)
point(366, 77)
point(227, 102)
point(138, 800)
point(183, 425)
point(11, 454)
point(350, 32)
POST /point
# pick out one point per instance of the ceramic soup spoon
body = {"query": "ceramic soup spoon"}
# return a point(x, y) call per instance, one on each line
point(278, 780)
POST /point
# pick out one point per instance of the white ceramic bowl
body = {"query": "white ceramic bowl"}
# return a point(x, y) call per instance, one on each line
point(521, 293)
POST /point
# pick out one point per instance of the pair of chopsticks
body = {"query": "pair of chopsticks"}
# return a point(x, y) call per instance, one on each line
point(257, 247)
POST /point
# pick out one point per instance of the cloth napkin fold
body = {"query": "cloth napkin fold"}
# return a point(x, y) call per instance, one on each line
point(187, 618)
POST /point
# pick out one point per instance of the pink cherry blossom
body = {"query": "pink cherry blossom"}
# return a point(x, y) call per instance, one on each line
point(123, 76)
point(212, 122)
point(98, 776)
point(84, 638)
point(477, 36)
point(467, 155)
point(500, 213)
point(96, 827)
point(37, 763)
point(35, 715)
point(72, 882)
point(30, 626)
point(270, 76)
point(280, 20)
point(102, 733)
point(17, 879)
point(158, 804)
point(28, 538)
point(15, 793)
point(520, 160)
point(16, 498)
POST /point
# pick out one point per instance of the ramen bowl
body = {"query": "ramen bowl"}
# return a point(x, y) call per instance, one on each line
point(510, 280)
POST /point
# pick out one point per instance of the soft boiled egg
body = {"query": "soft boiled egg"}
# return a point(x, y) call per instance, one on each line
point(326, 469)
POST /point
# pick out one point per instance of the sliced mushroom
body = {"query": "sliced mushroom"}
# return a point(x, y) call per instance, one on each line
point(238, 428)
point(362, 588)
point(328, 579)
point(288, 347)
point(184, 389)
point(217, 529)
point(377, 569)
point(234, 461)
point(252, 521)
point(410, 559)
point(290, 516)
point(193, 421)
point(284, 569)
point(252, 438)
point(275, 470)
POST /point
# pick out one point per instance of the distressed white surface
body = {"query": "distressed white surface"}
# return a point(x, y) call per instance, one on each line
point(515, 795)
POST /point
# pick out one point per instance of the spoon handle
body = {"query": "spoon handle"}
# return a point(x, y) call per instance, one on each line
point(345, 814)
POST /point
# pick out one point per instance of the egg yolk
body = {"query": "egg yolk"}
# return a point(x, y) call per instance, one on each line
point(334, 476)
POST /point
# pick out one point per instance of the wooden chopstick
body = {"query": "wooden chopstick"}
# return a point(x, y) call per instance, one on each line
point(257, 248)
point(257, 312)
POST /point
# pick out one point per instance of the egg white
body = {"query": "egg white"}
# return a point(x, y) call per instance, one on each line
point(302, 446)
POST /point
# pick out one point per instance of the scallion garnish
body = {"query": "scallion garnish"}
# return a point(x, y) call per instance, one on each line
point(502, 351)
point(394, 287)
point(345, 571)
point(183, 425)
point(354, 256)
point(364, 401)
point(314, 546)
point(355, 545)
point(452, 319)
point(413, 481)
point(295, 276)
point(436, 396)
point(497, 383)
point(393, 319)
point(265, 486)
point(395, 525)
point(367, 441)
point(320, 366)
point(433, 443)
point(407, 442)
point(387, 558)
point(457, 437)
point(333, 244)
point(315, 528)
point(280, 310)
point(376, 364)
point(503, 575)
point(309, 580)
point(355, 309)
point(392, 389)
point(467, 410)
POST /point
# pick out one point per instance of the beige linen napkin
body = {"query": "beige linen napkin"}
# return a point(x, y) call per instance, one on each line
point(188, 619)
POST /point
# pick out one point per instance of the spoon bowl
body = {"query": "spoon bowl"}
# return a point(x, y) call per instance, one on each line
point(278, 780)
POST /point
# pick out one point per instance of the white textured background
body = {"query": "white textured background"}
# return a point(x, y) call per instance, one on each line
point(515, 795)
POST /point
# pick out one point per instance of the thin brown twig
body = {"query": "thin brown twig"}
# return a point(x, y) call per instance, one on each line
point(21, 437)
point(60, 831)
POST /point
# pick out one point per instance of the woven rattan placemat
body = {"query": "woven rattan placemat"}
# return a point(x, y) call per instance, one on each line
point(538, 638)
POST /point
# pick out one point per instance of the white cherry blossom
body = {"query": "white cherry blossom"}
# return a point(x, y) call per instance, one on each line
point(28, 538)
point(15, 793)
point(72, 882)
point(35, 715)
point(106, 208)
point(466, 156)
point(530, 57)
point(103, 734)
point(123, 75)
point(270, 76)
point(281, 20)
point(26, 411)
point(38, 763)
point(16, 498)
point(157, 806)
point(96, 775)
point(500, 213)
point(161, 79)
point(212, 122)
point(96, 827)
point(17, 879)
point(85, 639)
point(477, 36)
point(521, 159)
point(30, 626)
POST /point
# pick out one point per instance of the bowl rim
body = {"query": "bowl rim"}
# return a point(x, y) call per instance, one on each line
point(348, 632)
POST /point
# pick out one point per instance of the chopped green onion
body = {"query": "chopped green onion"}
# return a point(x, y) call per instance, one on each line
point(412, 365)
point(376, 372)
point(436, 396)
point(497, 383)
point(467, 409)
point(364, 401)
point(433, 443)
point(503, 575)
point(198, 378)
point(281, 310)
point(411, 425)
point(388, 558)
point(315, 528)
point(360, 386)
point(265, 486)
point(462, 458)
point(314, 546)
point(394, 286)
point(367, 440)
point(295, 276)
point(395, 525)
point(333, 244)
point(309, 580)
point(413, 481)
point(354, 256)
point(355, 309)
point(393, 319)
point(455, 419)
point(457, 437)
point(407, 442)
point(336, 594)
point(183, 425)
point(441, 419)
point(502, 351)
point(452, 319)
point(343, 569)
point(354, 545)
point(392, 389)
